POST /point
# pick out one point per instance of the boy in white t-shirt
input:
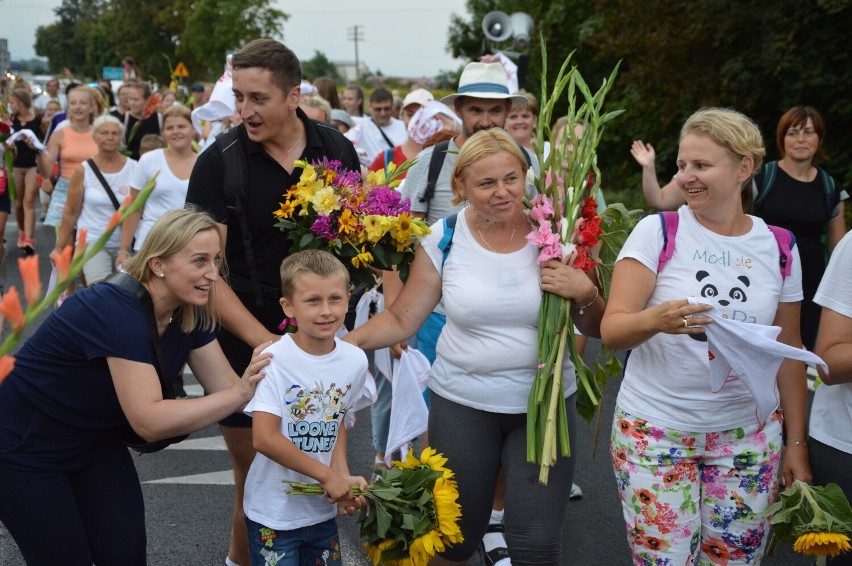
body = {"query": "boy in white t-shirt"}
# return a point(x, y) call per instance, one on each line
point(298, 421)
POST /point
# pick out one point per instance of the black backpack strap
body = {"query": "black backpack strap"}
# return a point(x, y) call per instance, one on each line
point(439, 153)
point(107, 188)
point(770, 171)
point(381, 131)
point(235, 180)
point(133, 285)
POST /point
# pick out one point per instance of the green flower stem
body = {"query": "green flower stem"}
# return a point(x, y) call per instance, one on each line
point(75, 268)
point(548, 455)
point(819, 516)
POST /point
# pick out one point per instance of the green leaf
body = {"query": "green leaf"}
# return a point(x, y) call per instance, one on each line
point(383, 520)
point(305, 241)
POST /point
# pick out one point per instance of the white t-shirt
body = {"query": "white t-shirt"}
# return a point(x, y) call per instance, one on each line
point(168, 195)
point(43, 99)
point(97, 207)
point(311, 395)
point(666, 380)
point(487, 353)
point(831, 412)
point(368, 139)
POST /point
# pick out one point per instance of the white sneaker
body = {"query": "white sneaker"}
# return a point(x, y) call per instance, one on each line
point(576, 492)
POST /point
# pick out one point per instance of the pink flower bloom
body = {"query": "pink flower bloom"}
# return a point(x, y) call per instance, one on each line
point(542, 209)
point(550, 251)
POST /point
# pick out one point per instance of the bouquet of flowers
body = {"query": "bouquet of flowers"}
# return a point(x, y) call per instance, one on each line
point(567, 228)
point(815, 520)
point(367, 224)
point(412, 511)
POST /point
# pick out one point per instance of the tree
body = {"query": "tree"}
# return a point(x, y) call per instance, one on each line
point(64, 42)
point(318, 66)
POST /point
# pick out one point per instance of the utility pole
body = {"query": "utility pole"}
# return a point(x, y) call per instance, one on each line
point(355, 34)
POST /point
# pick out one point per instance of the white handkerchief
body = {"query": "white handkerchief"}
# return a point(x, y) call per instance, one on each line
point(750, 352)
point(409, 414)
point(221, 103)
point(374, 301)
point(28, 134)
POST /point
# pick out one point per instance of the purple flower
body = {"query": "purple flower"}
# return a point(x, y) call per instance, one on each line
point(385, 201)
point(324, 227)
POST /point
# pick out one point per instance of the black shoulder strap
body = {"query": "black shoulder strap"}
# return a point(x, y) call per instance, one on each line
point(381, 131)
point(134, 286)
point(235, 180)
point(439, 153)
point(99, 175)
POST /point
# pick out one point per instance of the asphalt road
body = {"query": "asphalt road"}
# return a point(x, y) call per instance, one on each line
point(188, 488)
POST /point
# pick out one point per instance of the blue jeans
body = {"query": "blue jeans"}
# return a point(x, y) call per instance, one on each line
point(314, 545)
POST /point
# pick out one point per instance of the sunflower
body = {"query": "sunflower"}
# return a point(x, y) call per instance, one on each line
point(423, 548)
point(822, 544)
point(286, 210)
point(447, 510)
point(374, 553)
point(363, 259)
point(347, 222)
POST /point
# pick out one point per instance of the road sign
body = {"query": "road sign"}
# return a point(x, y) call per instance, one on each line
point(180, 71)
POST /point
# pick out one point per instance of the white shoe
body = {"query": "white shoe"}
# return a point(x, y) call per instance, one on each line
point(576, 492)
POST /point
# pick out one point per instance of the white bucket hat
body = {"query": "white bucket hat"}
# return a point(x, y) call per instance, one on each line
point(484, 80)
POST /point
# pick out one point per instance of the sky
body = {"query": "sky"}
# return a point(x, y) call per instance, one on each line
point(403, 41)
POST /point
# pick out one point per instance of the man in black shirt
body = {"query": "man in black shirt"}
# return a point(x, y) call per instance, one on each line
point(275, 132)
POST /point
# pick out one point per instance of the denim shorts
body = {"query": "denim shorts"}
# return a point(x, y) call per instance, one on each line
point(305, 546)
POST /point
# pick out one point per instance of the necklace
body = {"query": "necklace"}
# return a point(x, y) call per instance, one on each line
point(80, 130)
point(164, 325)
point(481, 237)
point(295, 145)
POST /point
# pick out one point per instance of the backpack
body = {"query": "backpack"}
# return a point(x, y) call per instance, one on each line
point(784, 238)
point(447, 240)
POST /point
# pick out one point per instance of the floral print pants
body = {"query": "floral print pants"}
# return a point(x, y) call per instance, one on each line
point(693, 499)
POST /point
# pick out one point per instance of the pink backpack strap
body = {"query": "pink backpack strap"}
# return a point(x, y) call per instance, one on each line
point(786, 240)
point(669, 219)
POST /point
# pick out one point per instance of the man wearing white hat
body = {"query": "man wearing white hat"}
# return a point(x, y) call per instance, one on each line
point(483, 101)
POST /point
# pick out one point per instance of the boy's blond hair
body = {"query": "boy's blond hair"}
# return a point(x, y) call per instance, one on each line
point(318, 262)
point(150, 142)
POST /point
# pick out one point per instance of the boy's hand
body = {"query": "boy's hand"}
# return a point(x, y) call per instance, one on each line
point(337, 487)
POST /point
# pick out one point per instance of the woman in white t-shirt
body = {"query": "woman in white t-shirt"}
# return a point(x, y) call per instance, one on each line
point(90, 204)
point(696, 469)
point(491, 286)
point(173, 164)
point(831, 413)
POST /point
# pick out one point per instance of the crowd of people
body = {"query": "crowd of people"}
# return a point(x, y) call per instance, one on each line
point(695, 467)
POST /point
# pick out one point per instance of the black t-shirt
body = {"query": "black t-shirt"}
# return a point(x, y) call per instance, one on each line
point(150, 125)
point(26, 157)
point(267, 182)
point(800, 207)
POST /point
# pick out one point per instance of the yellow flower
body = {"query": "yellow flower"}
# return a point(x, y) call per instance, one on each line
point(347, 222)
point(309, 174)
point(374, 553)
point(822, 544)
point(411, 461)
point(325, 201)
point(430, 457)
point(419, 228)
point(329, 176)
point(363, 259)
point(448, 510)
point(401, 230)
point(425, 547)
point(376, 178)
point(286, 210)
point(375, 226)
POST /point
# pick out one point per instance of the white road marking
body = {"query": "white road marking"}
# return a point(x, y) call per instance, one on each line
point(225, 477)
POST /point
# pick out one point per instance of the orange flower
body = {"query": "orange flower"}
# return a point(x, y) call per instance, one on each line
point(645, 496)
point(81, 242)
point(62, 261)
point(28, 267)
point(10, 307)
point(113, 221)
point(716, 550)
point(7, 364)
point(128, 200)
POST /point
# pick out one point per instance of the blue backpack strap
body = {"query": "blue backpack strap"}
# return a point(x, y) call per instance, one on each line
point(447, 240)
point(670, 220)
point(786, 240)
point(388, 157)
point(770, 171)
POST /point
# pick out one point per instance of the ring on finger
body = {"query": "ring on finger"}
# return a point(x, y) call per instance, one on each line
point(685, 322)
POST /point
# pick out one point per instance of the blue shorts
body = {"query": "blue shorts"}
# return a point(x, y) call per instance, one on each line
point(305, 546)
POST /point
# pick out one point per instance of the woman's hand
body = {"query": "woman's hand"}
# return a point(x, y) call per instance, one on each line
point(643, 153)
point(254, 371)
point(678, 317)
point(566, 281)
point(795, 464)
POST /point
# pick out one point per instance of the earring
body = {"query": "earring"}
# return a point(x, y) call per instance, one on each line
point(163, 275)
